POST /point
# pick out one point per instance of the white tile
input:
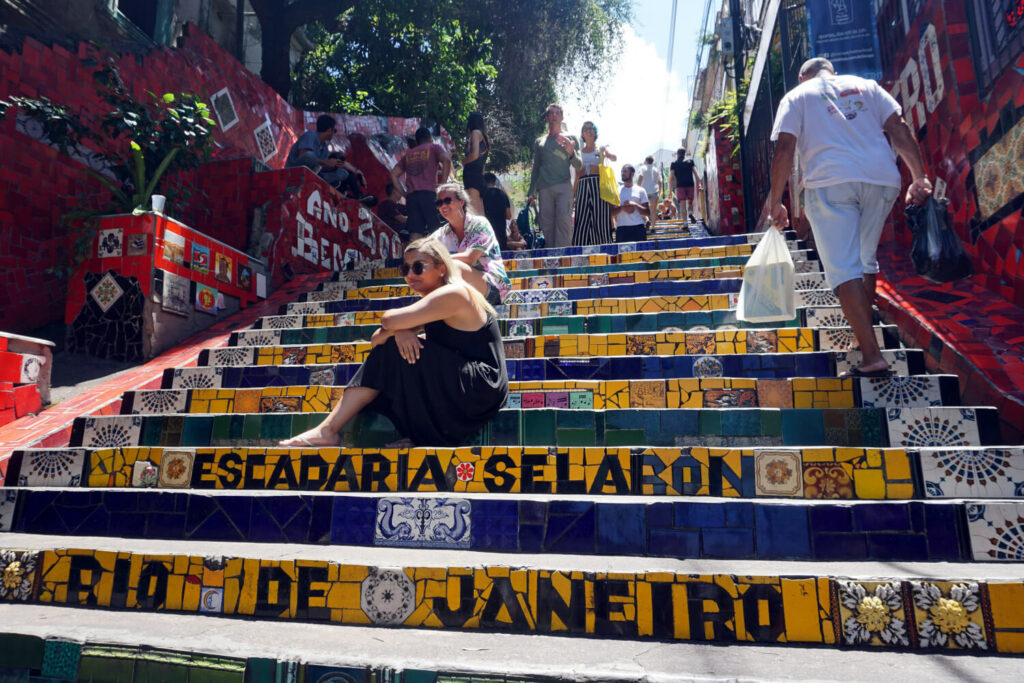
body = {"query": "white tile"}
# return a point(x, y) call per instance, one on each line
point(932, 427)
point(900, 391)
point(8, 503)
point(423, 522)
point(159, 402)
point(119, 431)
point(52, 467)
point(996, 531)
point(778, 473)
point(972, 472)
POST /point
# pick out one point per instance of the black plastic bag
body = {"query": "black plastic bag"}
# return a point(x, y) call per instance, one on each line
point(936, 251)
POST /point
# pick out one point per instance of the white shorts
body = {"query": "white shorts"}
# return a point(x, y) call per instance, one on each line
point(847, 221)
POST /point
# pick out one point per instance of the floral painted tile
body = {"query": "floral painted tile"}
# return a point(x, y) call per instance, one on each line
point(52, 468)
point(17, 575)
point(827, 480)
point(972, 472)
point(176, 469)
point(106, 292)
point(778, 473)
point(144, 474)
point(900, 391)
point(948, 615)
point(996, 531)
point(932, 427)
point(872, 613)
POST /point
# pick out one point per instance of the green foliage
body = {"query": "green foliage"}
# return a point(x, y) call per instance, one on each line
point(727, 113)
point(440, 60)
point(60, 127)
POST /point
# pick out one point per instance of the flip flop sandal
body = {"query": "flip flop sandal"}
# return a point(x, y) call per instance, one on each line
point(857, 372)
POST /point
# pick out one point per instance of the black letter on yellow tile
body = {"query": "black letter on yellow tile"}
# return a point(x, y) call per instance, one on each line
point(697, 594)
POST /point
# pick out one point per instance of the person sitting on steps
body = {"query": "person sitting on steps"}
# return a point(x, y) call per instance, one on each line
point(440, 388)
point(311, 151)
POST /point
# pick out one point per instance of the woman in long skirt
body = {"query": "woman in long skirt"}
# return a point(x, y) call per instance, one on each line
point(592, 223)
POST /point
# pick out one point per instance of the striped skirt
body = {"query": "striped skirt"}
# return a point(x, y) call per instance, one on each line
point(593, 221)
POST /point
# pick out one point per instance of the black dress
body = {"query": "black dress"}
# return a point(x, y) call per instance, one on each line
point(473, 172)
point(458, 384)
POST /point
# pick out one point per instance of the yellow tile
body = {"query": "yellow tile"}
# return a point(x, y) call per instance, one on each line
point(1006, 600)
point(869, 484)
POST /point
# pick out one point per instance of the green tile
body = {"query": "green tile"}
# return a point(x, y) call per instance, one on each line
point(92, 669)
point(574, 419)
point(624, 437)
point(221, 428)
point(19, 651)
point(741, 422)
point(576, 437)
point(710, 422)
point(538, 428)
point(197, 431)
point(152, 427)
point(260, 670)
point(771, 421)
point(251, 426)
point(237, 426)
point(803, 427)
point(503, 430)
point(166, 672)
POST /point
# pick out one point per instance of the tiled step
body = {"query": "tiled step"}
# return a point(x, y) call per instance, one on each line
point(611, 597)
point(903, 531)
point(549, 302)
point(801, 392)
point(813, 473)
point(717, 427)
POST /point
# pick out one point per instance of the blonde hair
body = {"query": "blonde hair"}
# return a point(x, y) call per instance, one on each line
point(460, 193)
point(440, 255)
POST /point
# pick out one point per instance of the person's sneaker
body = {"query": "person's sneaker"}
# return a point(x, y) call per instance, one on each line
point(368, 200)
point(692, 219)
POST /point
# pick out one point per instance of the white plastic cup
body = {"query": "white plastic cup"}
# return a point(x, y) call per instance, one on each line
point(159, 201)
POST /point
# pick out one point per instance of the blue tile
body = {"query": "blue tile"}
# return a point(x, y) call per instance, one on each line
point(898, 547)
point(495, 524)
point(659, 515)
point(532, 512)
point(531, 538)
point(620, 529)
point(946, 532)
point(739, 514)
point(881, 517)
point(571, 533)
point(673, 543)
point(728, 543)
point(701, 515)
point(782, 531)
point(827, 517)
point(840, 546)
point(353, 519)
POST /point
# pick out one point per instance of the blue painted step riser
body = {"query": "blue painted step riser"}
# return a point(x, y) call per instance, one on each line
point(912, 531)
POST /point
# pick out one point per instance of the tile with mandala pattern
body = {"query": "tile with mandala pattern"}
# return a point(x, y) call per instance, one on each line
point(932, 427)
point(897, 359)
point(824, 480)
point(816, 297)
point(231, 356)
point(825, 316)
point(872, 613)
point(641, 345)
point(949, 615)
point(900, 391)
point(708, 366)
point(176, 469)
point(17, 575)
point(106, 292)
point(109, 243)
point(112, 432)
point(972, 472)
point(778, 473)
point(52, 468)
point(802, 265)
point(815, 280)
point(8, 504)
point(996, 531)
point(700, 343)
point(842, 339)
point(280, 322)
point(197, 378)
point(159, 402)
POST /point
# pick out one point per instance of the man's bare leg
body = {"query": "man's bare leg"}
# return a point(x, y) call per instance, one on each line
point(856, 305)
point(327, 432)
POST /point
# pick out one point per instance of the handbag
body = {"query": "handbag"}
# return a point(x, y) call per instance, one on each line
point(609, 186)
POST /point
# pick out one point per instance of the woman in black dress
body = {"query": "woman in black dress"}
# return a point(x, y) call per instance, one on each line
point(477, 147)
point(439, 389)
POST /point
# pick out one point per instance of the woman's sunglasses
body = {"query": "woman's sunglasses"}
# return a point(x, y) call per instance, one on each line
point(417, 268)
point(444, 202)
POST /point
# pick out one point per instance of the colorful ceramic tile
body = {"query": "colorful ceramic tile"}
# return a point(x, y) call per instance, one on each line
point(31, 366)
point(828, 480)
point(112, 432)
point(106, 292)
point(144, 474)
point(174, 247)
point(972, 472)
point(109, 243)
point(223, 268)
point(176, 469)
point(996, 174)
point(872, 613)
point(900, 391)
point(136, 245)
point(8, 503)
point(932, 427)
point(423, 522)
point(200, 262)
point(211, 599)
point(17, 574)
point(224, 109)
point(206, 299)
point(949, 615)
point(197, 378)
point(778, 473)
point(175, 295)
point(244, 278)
point(996, 531)
point(159, 402)
point(708, 366)
point(52, 468)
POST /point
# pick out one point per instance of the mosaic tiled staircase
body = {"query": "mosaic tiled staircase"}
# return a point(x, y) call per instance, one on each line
point(646, 427)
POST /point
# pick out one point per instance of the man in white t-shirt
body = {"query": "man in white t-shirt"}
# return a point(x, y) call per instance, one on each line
point(838, 125)
point(632, 210)
point(649, 179)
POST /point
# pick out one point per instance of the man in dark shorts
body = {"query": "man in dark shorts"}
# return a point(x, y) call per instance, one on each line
point(684, 179)
point(420, 166)
point(497, 209)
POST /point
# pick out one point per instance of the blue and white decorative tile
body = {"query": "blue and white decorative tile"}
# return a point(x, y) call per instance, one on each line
point(197, 378)
point(109, 243)
point(211, 599)
point(708, 366)
point(280, 322)
point(387, 596)
point(972, 472)
point(52, 468)
point(324, 295)
point(515, 296)
point(106, 292)
point(627, 247)
point(590, 249)
point(810, 281)
point(423, 522)
point(560, 307)
point(996, 531)
point(8, 503)
point(521, 328)
point(259, 338)
point(121, 431)
point(545, 282)
point(897, 359)
point(579, 261)
point(551, 262)
point(900, 391)
point(825, 316)
point(160, 402)
point(932, 427)
point(232, 356)
point(842, 339)
point(816, 297)
point(802, 265)
point(17, 575)
point(306, 308)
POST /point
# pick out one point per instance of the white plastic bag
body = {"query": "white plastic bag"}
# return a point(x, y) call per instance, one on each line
point(768, 292)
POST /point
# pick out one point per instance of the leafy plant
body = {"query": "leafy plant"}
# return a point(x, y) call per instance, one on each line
point(727, 113)
point(60, 126)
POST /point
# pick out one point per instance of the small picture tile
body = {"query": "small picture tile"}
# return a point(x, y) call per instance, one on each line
point(206, 299)
point(136, 245)
point(245, 278)
point(996, 531)
point(223, 268)
point(18, 571)
point(224, 109)
point(109, 243)
point(144, 474)
point(872, 613)
point(778, 473)
point(932, 427)
point(387, 596)
point(106, 292)
point(972, 472)
point(52, 467)
point(200, 262)
point(31, 365)
point(265, 142)
point(175, 296)
point(174, 248)
point(211, 600)
point(949, 615)
point(176, 469)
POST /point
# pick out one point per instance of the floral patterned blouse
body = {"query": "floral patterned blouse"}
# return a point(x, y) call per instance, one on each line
point(479, 235)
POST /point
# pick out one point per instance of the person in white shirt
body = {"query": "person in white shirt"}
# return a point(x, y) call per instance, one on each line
point(649, 178)
point(838, 126)
point(632, 210)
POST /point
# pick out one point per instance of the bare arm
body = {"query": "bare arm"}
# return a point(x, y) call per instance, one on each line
point(609, 155)
point(440, 304)
point(446, 166)
point(905, 144)
point(395, 172)
point(782, 166)
point(469, 256)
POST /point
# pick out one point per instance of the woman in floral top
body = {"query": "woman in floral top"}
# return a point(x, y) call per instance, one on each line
point(471, 241)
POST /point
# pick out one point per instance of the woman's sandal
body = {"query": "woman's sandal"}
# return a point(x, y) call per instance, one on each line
point(857, 372)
